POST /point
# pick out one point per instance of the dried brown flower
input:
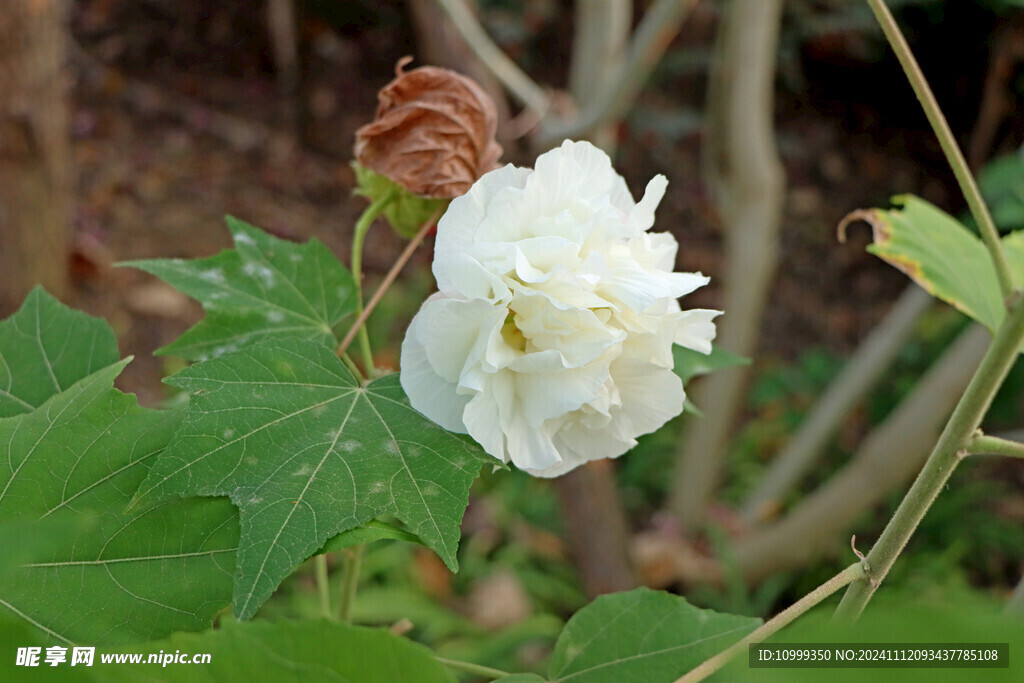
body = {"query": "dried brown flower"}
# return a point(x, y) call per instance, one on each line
point(433, 134)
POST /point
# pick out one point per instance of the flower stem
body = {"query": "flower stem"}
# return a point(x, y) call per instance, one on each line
point(784, 618)
point(949, 145)
point(323, 587)
point(389, 279)
point(993, 445)
point(359, 235)
point(470, 668)
point(949, 450)
point(353, 560)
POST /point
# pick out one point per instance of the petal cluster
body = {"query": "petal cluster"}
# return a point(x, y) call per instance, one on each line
point(550, 338)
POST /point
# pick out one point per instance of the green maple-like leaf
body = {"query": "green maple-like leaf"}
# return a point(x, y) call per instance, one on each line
point(641, 635)
point(263, 288)
point(129, 576)
point(45, 348)
point(285, 430)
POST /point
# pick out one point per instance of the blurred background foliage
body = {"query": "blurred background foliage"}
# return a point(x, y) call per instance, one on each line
point(179, 115)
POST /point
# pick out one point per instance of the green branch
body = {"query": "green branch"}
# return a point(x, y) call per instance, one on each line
point(993, 445)
point(852, 573)
point(359, 235)
point(950, 148)
point(951, 446)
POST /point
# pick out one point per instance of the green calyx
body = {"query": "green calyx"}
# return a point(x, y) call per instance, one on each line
point(406, 212)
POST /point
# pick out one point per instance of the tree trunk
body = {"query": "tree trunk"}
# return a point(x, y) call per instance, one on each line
point(747, 179)
point(598, 49)
point(596, 529)
point(34, 150)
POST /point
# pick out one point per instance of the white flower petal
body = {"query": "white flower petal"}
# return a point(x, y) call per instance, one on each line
point(530, 448)
point(641, 218)
point(483, 423)
point(428, 392)
point(573, 172)
point(696, 330)
point(454, 333)
point(550, 341)
point(547, 395)
point(651, 396)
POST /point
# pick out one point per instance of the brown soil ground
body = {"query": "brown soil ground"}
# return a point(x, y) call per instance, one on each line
point(177, 122)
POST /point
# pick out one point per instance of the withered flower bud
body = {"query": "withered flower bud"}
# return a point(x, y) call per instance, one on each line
point(433, 134)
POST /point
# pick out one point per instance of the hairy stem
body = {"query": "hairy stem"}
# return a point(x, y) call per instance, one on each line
point(993, 445)
point(353, 561)
point(943, 460)
point(950, 148)
point(358, 236)
point(388, 280)
point(778, 622)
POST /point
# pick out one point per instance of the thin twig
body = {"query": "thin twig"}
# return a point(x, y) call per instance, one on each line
point(954, 156)
point(515, 79)
point(388, 280)
point(652, 37)
point(855, 571)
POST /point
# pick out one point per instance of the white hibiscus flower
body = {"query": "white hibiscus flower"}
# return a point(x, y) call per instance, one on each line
point(550, 340)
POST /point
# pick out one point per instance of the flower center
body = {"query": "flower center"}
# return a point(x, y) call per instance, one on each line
point(512, 335)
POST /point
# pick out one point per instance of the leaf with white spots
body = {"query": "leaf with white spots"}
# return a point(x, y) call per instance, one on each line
point(264, 288)
point(45, 348)
point(123, 576)
point(285, 430)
